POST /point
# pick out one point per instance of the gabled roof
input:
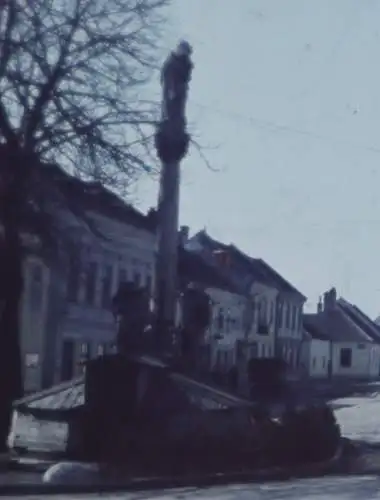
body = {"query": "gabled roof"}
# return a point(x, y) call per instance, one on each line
point(313, 331)
point(335, 325)
point(95, 197)
point(359, 318)
point(192, 267)
point(278, 280)
point(258, 268)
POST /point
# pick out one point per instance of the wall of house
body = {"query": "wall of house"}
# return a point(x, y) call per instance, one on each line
point(64, 307)
point(89, 325)
point(363, 362)
point(289, 328)
point(226, 327)
point(34, 311)
point(261, 308)
point(319, 358)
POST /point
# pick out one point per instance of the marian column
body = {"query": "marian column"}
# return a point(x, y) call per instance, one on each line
point(171, 142)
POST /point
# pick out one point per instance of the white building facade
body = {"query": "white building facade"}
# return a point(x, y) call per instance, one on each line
point(88, 328)
point(355, 360)
point(315, 356)
point(226, 327)
point(354, 344)
point(274, 306)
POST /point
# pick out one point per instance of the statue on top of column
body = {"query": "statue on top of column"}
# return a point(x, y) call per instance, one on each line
point(175, 78)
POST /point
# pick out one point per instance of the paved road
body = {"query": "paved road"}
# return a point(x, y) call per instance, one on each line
point(351, 488)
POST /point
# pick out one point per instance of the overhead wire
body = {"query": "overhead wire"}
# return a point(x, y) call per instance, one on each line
point(264, 124)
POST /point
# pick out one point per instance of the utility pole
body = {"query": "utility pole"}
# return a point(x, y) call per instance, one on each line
point(172, 141)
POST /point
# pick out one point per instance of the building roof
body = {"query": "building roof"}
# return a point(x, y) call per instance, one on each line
point(70, 395)
point(359, 318)
point(256, 267)
point(95, 197)
point(192, 267)
point(313, 331)
point(335, 325)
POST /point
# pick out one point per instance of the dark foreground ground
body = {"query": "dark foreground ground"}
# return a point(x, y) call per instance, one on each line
point(359, 417)
point(345, 488)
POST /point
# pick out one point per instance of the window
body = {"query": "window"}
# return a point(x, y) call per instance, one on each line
point(220, 320)
point(300, 320)
point(137, 278)
point(263, 311)
point(90, 287)
point(107, 287)
point(294, 317)
point(123, 276)
point(289, 355)
point(112, 348)
point(253, 350)
point(271, 312)
point(31, 360)
point(85, 350)
point(73, 281)
point(100, 350)
point(345, 357)
point(287, 316)
point(149, 283)
point(228, 322)
point(251, 314)
point(36, 289)
point(259, 350)
point(324, 362)
point(67, 362)
point(262, 327)
point(280, 312)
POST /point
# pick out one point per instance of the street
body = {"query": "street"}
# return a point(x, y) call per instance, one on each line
point(343, 488)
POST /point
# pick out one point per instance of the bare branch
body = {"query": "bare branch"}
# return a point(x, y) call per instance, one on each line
point(73, 83)
point(200, 151)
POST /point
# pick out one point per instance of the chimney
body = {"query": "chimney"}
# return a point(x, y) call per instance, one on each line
point(183, 235)
point(330, 299)
point(319, 305)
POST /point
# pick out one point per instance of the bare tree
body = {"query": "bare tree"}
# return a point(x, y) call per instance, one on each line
point(72, 80)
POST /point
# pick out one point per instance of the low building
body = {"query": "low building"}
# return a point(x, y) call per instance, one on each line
point(353, 352)
point(315, 354)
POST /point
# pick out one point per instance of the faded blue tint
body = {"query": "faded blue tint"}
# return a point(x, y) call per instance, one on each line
point(286, 99)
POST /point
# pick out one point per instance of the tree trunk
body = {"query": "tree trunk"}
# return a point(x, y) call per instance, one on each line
point(11, 383)
point(11, 287)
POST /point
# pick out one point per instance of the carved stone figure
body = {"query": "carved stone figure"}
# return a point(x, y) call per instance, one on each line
point(175, 77)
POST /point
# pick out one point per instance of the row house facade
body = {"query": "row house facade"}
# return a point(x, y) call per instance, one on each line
point(66, 314)
point(272, 323)
point(127, 253)
point(228, 307)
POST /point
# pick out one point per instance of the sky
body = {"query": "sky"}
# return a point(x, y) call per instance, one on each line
point(285, 100)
